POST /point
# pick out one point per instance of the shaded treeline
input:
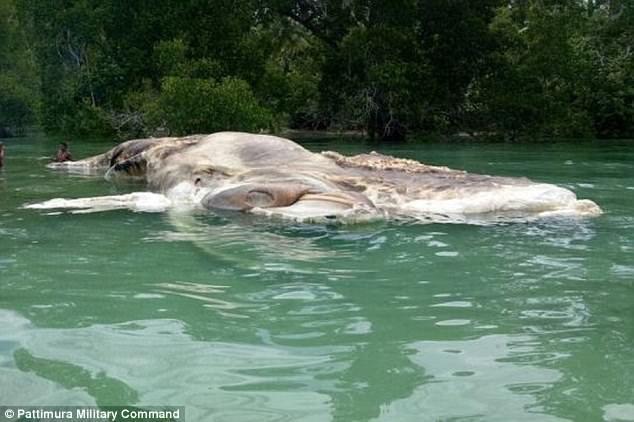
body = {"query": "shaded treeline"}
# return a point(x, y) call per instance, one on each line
point(548, 68)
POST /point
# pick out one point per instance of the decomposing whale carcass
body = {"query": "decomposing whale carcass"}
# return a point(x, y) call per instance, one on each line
point(273, 176)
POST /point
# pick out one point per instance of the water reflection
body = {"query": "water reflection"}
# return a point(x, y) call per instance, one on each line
point(494, 378)
point(205, 293)
point(618, 412)
point(226, 241)
point(154, 362)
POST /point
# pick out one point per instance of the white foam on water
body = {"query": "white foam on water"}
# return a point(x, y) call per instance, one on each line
point(148, 296)
point(454, 304)
point(618, 412)
point(453, 322)
point(446, 253)
point(359, 327)
point(186, 193)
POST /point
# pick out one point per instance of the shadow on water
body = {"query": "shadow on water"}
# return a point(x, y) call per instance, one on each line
point(244, 318)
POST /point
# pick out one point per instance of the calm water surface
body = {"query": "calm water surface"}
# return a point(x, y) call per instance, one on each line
point(248, 319)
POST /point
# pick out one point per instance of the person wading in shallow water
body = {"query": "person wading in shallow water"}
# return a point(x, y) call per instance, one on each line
point(63, 153)
point(1, 155)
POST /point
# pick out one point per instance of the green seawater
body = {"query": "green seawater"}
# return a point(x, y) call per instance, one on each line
point(249, 319)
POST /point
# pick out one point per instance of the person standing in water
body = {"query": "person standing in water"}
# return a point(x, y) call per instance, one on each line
point(63, 153)
point(1, 155)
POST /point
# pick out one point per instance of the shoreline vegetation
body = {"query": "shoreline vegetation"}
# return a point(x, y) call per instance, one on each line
point(308, 136)
point(492, 70)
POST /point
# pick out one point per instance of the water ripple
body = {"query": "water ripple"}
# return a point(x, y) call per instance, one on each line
point(179, 371)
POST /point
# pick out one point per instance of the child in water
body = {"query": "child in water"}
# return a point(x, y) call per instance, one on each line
point(63, 153)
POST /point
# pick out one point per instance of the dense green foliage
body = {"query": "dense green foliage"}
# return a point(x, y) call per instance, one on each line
point(18, 86)
point(540, 67)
